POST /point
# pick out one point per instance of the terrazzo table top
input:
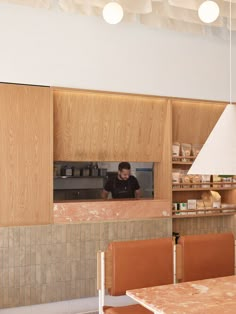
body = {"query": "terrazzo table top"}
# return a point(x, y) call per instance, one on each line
point(216, 295)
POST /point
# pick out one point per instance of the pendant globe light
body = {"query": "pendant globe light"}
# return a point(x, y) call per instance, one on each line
point(208, 11)
point(218, 154)
point(113, 13)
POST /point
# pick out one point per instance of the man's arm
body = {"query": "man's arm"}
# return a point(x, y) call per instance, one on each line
point(104, 194)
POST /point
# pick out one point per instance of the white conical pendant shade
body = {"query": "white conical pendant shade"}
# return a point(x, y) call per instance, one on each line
point(218, 154)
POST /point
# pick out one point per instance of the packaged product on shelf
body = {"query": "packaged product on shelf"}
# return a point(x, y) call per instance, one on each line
point(216, 181)
point(228, 207)
point(234, 181)
point(207, 199)
point(206, 178)
point(211, 200)
point(175, 207)
point(228, 179)
point(185, 151)
point(216, 199)
point(200, 205)
point(175, 150)
point(183, 207)
point(216, 204)
point(196, 149)
point(192, 204)
point(176, 178)
point(196, 180)
point(186, 180)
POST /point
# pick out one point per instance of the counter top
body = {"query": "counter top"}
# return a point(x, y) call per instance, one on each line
point(217, 295)
point(67, 212)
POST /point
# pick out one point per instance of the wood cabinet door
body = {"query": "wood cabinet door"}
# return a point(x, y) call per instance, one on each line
point(193, 120)
point(26, 155)
point(108, 126)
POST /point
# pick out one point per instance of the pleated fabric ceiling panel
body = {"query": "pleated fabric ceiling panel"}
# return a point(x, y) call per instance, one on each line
point(177, 15)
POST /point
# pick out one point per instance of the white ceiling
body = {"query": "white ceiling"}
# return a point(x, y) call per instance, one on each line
point(177, 15)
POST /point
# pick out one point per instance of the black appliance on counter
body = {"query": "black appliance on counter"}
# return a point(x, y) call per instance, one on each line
point(78, 188)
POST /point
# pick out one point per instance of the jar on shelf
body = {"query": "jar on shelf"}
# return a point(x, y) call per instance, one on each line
point(67, 171)
point(94, 169)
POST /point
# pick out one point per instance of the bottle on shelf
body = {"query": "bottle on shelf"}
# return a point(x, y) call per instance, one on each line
point(90, 167)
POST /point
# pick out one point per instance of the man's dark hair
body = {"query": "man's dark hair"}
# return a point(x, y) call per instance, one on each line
point(124, 165)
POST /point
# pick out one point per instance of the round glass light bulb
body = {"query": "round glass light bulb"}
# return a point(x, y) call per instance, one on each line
point(208, 11)
point(113, 13)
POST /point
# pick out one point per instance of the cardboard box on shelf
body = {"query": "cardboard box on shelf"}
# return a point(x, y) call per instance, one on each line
point(192, 204)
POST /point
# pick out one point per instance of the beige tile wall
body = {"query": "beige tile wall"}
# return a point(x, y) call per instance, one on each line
point(40, 264)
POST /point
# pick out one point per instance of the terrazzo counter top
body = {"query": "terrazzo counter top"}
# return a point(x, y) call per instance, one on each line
point(207, 296)
point(111, 210)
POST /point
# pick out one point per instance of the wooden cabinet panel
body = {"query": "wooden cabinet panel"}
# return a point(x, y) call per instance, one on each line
point(26, 155)
point(108, 126)
point(193, 120)
point(162, 170)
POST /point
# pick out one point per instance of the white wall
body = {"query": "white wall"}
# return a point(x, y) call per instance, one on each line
point(60, 49)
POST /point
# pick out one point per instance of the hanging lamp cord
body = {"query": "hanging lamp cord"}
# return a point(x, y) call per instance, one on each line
point(230, 52)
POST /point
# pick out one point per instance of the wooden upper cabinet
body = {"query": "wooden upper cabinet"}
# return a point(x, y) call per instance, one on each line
point(26, 155)
point(108, 126)
point(193, 120)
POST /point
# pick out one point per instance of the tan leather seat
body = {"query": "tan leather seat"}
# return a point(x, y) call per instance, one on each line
point(206, 256)
point(129, 309)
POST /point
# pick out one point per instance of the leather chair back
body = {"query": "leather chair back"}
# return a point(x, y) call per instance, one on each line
point(206, 256)
point(139, 264)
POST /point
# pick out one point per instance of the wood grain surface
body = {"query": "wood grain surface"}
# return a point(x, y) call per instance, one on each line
point(162, 169)
point(26, 155)
point(108, 126)
point(193, 120)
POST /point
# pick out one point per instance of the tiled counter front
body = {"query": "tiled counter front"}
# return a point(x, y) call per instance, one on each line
point(40, 264)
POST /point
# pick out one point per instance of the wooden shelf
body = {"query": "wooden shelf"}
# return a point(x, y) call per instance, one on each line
point(178, 160)
point(202, 215)
point(182, 162)
point(202, 189)
point(209, 212)
point(231, 186)
point(205, 183)
point(182, 157)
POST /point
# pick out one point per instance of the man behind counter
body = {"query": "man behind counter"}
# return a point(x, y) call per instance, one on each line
point(124, 185)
